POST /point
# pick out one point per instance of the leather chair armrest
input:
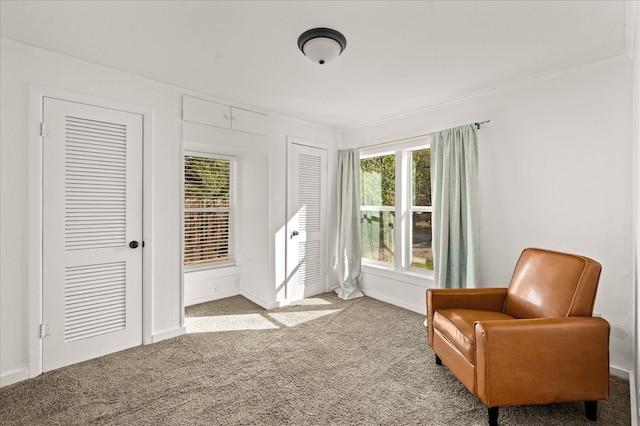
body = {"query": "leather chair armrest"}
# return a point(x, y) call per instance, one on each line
point(538, 361)
point(486, 299)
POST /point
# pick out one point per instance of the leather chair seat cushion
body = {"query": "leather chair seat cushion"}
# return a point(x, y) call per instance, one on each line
point(457, 326)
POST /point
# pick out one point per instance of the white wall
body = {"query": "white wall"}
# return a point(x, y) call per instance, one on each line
point(555, 172)
point(634, 26)
point(264, 170)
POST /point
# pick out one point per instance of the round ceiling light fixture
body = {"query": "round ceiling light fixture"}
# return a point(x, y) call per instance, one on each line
point(321, 45)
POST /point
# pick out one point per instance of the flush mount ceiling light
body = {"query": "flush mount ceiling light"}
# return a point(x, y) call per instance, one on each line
point(321, 45)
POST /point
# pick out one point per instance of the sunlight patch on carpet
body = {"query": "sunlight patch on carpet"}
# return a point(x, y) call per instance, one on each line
point(311, 301)
point(228, 323)
point(292, 319)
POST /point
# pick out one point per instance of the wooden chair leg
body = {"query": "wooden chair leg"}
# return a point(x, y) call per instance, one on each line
point(591, 410)
point(493, 416)
point(438, 360)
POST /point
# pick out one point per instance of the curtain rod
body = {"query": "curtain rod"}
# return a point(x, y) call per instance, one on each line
point(477, 124)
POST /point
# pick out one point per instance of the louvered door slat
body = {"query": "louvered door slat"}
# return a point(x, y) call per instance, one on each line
point(96, 327)
point(86, 310)
point(309, 193)
point(95, 184)
point(95, 285)
point(88, 333)
point(309, 263)
point(89, 289)
point(92, 295)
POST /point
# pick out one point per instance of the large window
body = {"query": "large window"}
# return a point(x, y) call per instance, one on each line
point(208, 211)
point(396, 208)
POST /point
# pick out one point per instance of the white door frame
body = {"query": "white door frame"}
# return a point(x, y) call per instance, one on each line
point(324, 232)
point(36, 97)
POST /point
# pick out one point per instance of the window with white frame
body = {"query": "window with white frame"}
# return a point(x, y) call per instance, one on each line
point(208, 210)
point(396, 207)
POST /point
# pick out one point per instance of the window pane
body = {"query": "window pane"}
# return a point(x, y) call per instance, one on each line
point(421, 251)
point(206, 182)
point(378, 181)
point(421, 177)
point(377, 235)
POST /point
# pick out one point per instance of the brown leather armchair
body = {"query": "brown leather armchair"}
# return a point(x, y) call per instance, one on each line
point(535, 342)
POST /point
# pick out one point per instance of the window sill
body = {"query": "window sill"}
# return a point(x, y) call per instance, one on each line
point(419, 279)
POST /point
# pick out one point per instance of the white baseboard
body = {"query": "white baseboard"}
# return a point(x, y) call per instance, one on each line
point(401, 303)
point(14, 377)
point(211, 297)
point(619, 372)
point(263, 303)
point(168, 334)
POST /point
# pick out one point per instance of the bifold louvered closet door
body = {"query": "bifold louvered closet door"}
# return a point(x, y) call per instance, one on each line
point(306, 252)
point(92, 232)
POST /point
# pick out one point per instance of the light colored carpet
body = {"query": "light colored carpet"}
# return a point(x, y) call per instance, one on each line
point(322, 362)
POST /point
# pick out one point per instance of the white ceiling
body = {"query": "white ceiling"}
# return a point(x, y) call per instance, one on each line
point(400, 56)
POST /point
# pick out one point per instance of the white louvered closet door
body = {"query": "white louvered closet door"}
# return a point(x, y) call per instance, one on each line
point(92, 220)
point(306, 249)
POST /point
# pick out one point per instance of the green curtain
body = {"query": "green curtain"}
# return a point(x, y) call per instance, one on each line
point(349, 256)
point(454, 177)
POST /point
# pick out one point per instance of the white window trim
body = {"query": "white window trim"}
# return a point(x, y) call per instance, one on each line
point(417, 277)
point(403, 208)
point(201, 151)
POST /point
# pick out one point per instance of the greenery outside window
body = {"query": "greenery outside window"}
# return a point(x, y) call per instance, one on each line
point(208, 211)
point(396, 208)
point(421, 232)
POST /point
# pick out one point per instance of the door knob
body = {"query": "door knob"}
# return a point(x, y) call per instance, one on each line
point(134, 244)
point(295, 233)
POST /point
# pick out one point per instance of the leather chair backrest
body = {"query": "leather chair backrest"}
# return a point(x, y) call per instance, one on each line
point(548, 284)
